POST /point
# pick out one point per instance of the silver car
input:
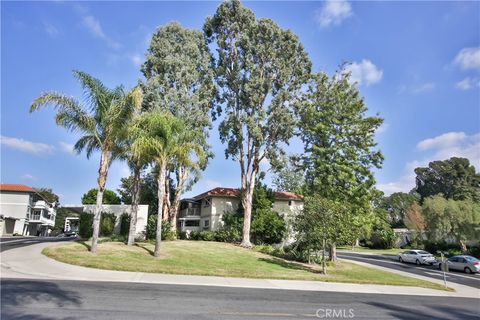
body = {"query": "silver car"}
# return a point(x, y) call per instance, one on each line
point(464, 263)
point(417, 256)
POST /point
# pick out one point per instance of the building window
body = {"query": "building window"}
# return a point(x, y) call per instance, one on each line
point(192, 223)
point(208, 202)
point(206, 223)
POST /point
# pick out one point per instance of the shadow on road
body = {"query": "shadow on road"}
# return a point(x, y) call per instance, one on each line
point(29, 294)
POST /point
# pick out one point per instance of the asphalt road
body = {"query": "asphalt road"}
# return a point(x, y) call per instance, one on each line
point(42, 300)
point(471, 280)
point(8, 243)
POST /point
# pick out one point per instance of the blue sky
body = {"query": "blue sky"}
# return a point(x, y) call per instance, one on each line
point(417, 64)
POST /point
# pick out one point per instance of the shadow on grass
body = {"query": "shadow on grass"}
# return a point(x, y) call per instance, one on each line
point(290, 265)
point(84, 243)
point(144, 248)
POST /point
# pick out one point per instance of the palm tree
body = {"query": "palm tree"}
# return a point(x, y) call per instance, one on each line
point(136, 161)
point(156, 135)
point(101, 120)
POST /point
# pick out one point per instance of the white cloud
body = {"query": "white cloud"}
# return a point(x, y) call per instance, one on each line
point(28, 176)
point(445, 140)
point(51, 30)
point(26, 146)
point(67, 147)
point(468, 83)
point(468, 58)
point(424, 87)
point(210, 184)
point(383, 128)
point(442, 147)
point(333, 13)
point(93, 25)
point(364, 72)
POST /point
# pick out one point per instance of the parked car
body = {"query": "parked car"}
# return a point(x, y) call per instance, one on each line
point(464, 263)
point(417, 256)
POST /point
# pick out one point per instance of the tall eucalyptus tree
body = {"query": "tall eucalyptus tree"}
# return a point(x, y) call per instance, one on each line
point(179, 80)
point(100, 119)
point(259, 70)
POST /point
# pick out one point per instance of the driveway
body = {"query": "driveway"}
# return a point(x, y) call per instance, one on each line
point(471, 280)
point(8, 243)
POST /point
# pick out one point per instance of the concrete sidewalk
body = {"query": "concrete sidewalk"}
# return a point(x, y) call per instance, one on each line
point(29, 263)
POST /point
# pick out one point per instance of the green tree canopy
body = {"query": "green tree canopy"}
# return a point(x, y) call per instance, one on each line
point(48, 194)
point(459, 219)
point(109, 197)
point(454, 178)
point(396, 205)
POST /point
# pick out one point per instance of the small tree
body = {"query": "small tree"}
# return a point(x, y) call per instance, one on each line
point(109, 197)
point(414, 219)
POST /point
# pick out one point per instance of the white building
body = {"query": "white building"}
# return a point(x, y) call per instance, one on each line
point(205, 211)
point(118, 210)
point(24, 212)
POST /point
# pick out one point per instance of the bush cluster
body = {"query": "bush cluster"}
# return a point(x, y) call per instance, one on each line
point(124, 224)
point(151, 230)
point(107, 224)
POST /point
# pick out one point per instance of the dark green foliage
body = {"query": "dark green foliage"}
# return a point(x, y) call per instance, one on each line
point(454, 178)
point(203, 235)
point(124, 224)
point(268, 227)
point(107, 224)
point(47, 194)
point(182, 235)
point(167, 233)
point(382, 237)
point(109, 197)
point(62, 213)
point(148, 191)
point(86, 225)
point(396, 205)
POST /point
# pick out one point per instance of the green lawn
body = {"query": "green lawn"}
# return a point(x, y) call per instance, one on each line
point(217, 259)
point(388, 252)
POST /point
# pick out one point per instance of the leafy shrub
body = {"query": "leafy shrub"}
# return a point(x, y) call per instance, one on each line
point(124, 224)
point(383, 238)
point(151, 232)
point(202, 235)
point(474, 251)
point(107, 224)
point(182, 235)
point(86, 225)
point(268, 227)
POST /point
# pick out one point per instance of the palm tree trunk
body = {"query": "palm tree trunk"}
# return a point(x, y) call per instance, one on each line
point(161, 194)
point(135, 201)
point(101, 181)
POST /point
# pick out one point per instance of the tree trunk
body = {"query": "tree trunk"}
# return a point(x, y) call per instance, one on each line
point(247, 196)
point(101, 181)
point(161, 198)
point(324, 267)
point(182, 175)
point(166, 200)
point(333, 252)
point(463, 246)
point(135, 201)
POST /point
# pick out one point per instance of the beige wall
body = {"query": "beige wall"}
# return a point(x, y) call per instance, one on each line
point(14, 204)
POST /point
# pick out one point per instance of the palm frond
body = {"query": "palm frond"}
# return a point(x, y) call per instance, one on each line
point(88, 143)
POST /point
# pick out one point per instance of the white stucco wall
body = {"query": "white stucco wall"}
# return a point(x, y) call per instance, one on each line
point(118, 210)
point(14, 204)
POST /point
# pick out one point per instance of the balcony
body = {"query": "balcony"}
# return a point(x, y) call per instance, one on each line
point(189, 212)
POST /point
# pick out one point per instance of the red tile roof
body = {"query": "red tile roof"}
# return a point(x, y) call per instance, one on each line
point(16, 187)
point(234, 193)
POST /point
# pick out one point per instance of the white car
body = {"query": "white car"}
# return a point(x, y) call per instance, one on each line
point(417, 256)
